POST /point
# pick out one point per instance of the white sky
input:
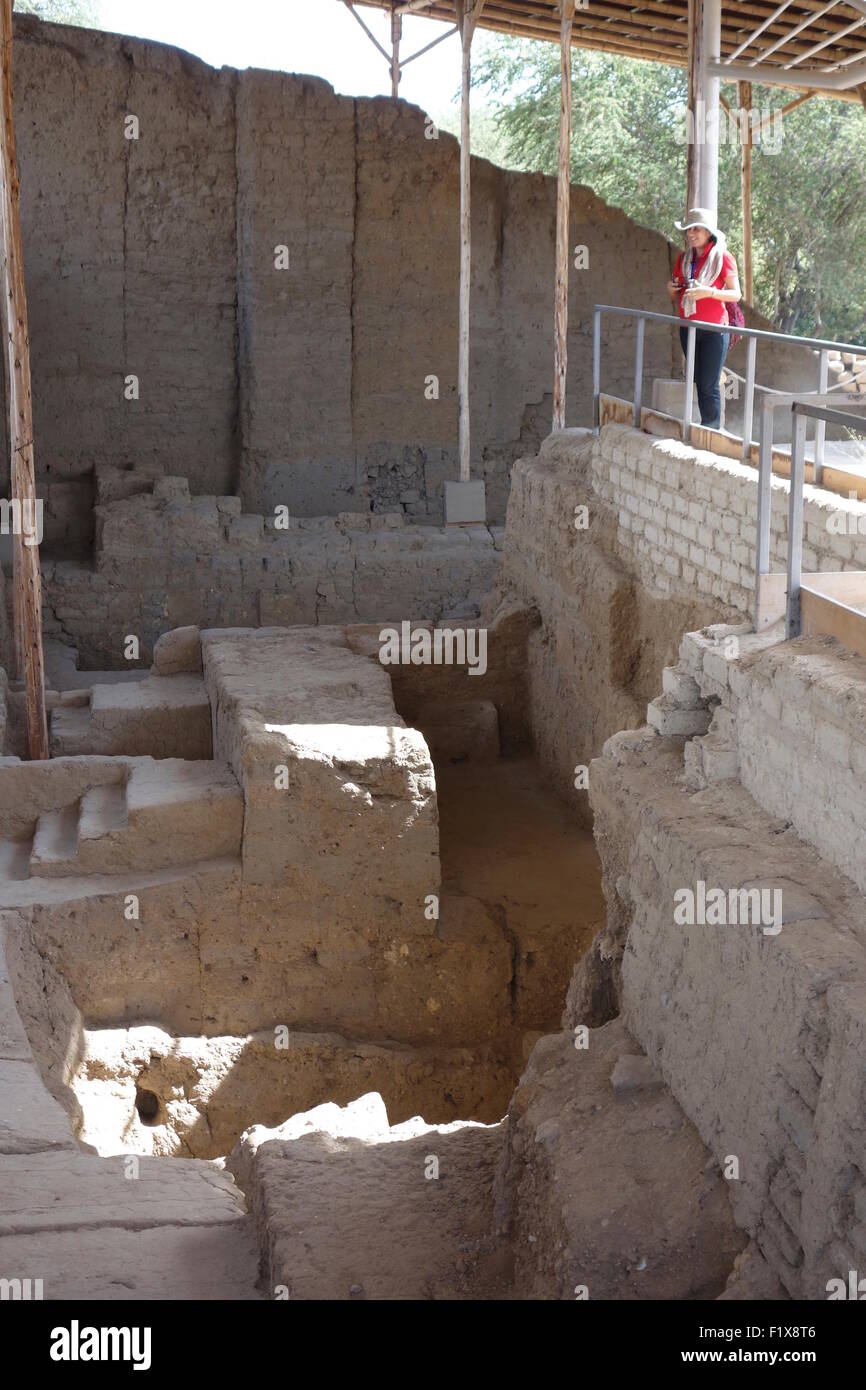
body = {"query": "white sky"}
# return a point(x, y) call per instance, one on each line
point(309, 36)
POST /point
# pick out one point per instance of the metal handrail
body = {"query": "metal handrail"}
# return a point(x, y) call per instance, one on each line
point(754, 335)
point(802, 412)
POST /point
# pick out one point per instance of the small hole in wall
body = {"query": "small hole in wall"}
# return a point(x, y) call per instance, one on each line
point(147, 1105)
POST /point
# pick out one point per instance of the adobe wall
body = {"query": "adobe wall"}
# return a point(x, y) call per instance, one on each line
point(667, 548)
point(305, 386)
point(746, 773)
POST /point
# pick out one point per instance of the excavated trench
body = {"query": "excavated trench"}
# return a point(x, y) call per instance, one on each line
point(454, 1011)
point(507, 840)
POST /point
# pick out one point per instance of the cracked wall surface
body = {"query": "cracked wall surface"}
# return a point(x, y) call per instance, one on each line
point(307, 387)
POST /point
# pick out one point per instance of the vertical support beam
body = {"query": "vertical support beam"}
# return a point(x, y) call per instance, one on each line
point(765, 501)
point(596, 368)
point(795, 525)
point(692, 101)
point(638, 371)
point(396, 35)
point(563, 198)
point(820, 425)
point(468, 12)
point(27, 576)
point(749, 403)
point(705, 41)
point(745, 102)
point(688, 404)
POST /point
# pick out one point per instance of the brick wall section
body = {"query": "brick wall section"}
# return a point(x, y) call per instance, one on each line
point(791, 725)
point(165, 559)
point(759, 1037)
point(686, 519)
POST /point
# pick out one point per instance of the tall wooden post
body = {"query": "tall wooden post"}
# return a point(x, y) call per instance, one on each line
point(396, 35)
point(468, 12)
point(27, 580)
point(563, 198)
point(745, 103)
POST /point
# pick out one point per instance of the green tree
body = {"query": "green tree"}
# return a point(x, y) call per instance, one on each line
point(84, 12)
point(808, 179)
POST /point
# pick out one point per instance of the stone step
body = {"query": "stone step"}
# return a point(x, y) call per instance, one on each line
point(177, 812)
point(47, 890)
point(158, 716)
point(15, 859)
point(70, 730)
point(55, 843)
point(80, 1225)
point(169, 812)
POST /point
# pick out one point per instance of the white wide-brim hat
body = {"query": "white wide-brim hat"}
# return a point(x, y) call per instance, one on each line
point(699, 217)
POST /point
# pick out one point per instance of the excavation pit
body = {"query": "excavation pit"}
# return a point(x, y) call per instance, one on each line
point(320, 911)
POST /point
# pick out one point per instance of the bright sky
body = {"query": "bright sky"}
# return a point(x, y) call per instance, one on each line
point(310, 36)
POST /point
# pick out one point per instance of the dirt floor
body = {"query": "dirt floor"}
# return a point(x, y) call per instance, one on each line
point(507, 838)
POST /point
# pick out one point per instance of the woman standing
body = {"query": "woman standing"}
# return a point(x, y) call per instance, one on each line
point(705, 282)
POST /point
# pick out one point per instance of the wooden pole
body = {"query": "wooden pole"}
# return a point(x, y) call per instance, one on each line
point(27, 580)
point(563, 199)
point(467, 18)
point(745, 98)
point(396, 34)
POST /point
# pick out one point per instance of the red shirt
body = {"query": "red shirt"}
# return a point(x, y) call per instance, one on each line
point(707, 310)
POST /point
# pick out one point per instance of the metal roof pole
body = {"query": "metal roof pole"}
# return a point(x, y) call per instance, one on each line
point(707, 90)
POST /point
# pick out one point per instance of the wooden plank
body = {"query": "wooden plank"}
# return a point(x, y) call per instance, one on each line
point(27, 578)
point(613, 410)
point(823, 616)
point(627, 30)
point(563, 200)
point(745, 98)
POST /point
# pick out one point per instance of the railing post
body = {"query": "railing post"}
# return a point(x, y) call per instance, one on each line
point(820, 426)
point(795, 524)
point(638, 371)
point(596, 367)
point(765, 502)
point(690, 384)
point(749, 403)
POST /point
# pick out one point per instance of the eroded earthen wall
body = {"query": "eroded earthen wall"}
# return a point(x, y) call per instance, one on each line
point(155, 257)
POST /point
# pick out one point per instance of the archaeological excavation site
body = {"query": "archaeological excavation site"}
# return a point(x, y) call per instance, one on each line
point(431, 815)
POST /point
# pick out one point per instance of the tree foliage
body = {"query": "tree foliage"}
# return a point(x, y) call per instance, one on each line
point(808, 176)
point(84, 12)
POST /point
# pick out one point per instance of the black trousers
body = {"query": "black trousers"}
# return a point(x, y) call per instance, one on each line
point(711, 349)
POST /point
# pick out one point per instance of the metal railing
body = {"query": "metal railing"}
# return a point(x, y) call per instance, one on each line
point(754, 335)
point(803, 411)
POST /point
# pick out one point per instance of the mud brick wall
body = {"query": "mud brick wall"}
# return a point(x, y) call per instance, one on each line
point(155, 257)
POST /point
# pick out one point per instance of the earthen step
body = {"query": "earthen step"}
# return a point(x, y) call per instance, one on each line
point(14, 859)
point(169, 812)
point(47, 890)
point(70, 730)
point(178, 812)
point(55, 843)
